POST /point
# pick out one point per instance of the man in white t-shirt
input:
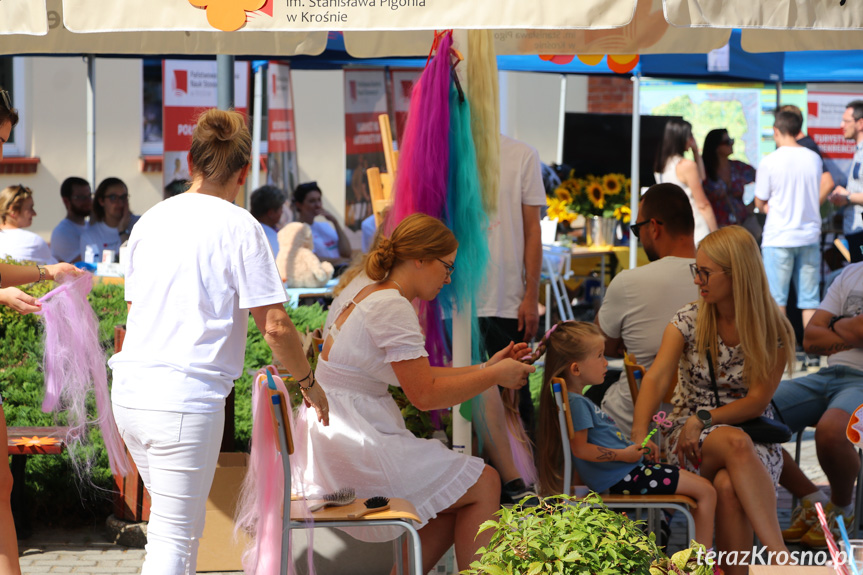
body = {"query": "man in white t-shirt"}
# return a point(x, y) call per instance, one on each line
point(266, 205)
point(66, 237)
point(787, 186)
point(640, 302)
point(825, 400)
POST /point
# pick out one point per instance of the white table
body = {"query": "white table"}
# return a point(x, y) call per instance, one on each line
point(295, 294)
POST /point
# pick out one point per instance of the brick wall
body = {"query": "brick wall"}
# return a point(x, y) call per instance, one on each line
point(609, 95)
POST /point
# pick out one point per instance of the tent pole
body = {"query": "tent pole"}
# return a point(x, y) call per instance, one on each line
point(225, 75)
point(256, 124)
point(778, 94)
point(561, 119)
point(91, 120)
point(636, 163)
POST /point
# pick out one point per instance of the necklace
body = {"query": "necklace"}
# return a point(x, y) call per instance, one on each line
point(401, 291)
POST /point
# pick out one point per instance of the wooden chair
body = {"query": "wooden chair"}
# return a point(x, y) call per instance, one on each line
point(680, 503)
point(401, 513)
point(381, 183)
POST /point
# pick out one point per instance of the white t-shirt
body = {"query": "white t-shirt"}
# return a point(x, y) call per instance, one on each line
point(24, 245)
point(520, 184)
point(845, 297)
point(789, 179)
point(197, 264)
point(100, 236)
point(326, 240)
point(66, 240)
point(638, 306)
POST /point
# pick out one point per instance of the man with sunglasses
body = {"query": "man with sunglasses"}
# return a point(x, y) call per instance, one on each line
point(639, 303)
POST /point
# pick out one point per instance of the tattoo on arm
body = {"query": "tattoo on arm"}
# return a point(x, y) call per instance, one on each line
point(829, 349)
point(606, 454)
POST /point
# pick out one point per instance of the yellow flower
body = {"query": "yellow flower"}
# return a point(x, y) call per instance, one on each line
point(563, 194)
point(623, 214)
point(596, 194)
point(611, 184)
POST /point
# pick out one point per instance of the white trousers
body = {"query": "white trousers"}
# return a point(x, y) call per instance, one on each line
point(176, 455)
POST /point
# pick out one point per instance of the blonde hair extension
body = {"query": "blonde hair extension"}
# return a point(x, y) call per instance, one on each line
point(483, 96)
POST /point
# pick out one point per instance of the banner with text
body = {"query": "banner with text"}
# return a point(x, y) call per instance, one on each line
point(282, 168)
point(824, 120)
point(188, 88)
point(365, 100)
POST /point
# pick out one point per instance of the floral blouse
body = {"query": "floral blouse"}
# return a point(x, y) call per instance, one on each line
point(727, 201)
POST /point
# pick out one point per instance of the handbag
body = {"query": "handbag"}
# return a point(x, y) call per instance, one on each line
point(760, 429)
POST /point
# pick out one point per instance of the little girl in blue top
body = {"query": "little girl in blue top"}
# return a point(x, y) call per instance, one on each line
point(605, 459)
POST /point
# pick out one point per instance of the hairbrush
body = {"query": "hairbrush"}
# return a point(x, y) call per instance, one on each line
point(373, 505)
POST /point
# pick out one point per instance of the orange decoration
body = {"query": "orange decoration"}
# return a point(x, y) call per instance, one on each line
point(228, 15)
point(590, 59)
point(556, 59)
point(854, 428)
point(622, 64)
point(35, 441)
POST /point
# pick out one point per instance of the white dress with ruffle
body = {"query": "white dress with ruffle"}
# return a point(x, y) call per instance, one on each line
point(366, 445)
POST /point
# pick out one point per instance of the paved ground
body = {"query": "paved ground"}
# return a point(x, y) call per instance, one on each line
point(87, 550)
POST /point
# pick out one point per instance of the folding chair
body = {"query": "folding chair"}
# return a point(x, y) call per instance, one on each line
point(681, 503)
point(400, 514)
point(556, 268)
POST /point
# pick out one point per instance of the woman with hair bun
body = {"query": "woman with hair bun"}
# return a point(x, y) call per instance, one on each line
point(376, 341)
point(197, 266)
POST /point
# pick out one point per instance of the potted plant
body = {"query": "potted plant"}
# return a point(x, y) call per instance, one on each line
point(564, 536)
point(603, 201)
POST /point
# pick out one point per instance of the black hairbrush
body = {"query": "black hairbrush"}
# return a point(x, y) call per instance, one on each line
point(373, 505)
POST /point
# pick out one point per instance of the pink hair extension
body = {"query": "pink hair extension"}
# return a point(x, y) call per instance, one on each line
point(519, 443)
point(74, 364)
point(484, 100)
point(423, 170)
point(262, 496)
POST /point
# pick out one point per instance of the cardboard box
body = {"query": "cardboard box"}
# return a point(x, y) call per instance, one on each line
point(218, 550)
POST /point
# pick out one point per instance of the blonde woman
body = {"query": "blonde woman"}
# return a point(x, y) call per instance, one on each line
point(735, 324)
point(16, 213)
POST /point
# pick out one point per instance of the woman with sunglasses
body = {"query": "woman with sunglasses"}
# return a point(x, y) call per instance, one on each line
point(376, 341)
point(111, 223)
point(12, 275)
point(736, 327)
point(725, 179)
point(16, 213)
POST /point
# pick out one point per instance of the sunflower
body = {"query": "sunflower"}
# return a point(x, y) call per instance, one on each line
point(611, 184)
point(563, 194)
point(595, 193)
point(556, 209)
point(623, 214)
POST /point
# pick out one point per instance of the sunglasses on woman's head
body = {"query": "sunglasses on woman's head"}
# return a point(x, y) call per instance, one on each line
point(6, 98)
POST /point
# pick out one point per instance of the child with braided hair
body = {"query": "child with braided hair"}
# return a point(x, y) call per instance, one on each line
point(603, 457)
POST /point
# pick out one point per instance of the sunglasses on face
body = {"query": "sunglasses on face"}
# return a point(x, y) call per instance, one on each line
point(727, 141)
point(636, 228)
point(450, 268)
point(6, 98)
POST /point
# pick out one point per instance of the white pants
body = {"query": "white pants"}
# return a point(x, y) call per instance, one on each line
point(176, 455)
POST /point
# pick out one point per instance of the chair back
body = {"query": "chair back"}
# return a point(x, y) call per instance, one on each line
point(634, 374)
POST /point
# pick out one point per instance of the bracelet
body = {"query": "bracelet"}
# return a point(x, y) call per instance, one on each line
point(482, 365)
point(309, 375)
point(42, 273)
point(832, 325)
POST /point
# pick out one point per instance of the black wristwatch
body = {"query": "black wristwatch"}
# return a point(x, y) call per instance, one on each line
point(832, 325)
point(704, 416)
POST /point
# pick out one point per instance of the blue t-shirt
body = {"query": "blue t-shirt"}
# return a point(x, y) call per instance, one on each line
point(601, 431)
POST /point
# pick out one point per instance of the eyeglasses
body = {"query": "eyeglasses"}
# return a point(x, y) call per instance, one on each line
point(7, 99)
point(117, 198)
point(727, 141)
point(702, 274)
point(450, 268)
point(81, 197)
point(636, 228)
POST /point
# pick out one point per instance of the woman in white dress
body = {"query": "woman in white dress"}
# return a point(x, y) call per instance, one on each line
point(376, 341)
point(16, 213)
point(671, 167)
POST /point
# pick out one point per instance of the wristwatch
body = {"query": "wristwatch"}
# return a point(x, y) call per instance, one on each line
point(832, 325)
point(704, 416)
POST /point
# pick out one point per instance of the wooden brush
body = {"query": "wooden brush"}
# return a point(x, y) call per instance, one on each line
point(344, 496)
point(373, 505)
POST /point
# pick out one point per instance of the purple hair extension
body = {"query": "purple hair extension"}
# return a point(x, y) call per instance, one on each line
point(262, 496)
point(421, 179)
point(74, 364)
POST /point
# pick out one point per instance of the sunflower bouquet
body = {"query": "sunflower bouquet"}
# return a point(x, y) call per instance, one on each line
point(605, 196)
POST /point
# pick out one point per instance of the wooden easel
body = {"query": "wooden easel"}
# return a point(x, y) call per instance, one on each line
point(381, 183)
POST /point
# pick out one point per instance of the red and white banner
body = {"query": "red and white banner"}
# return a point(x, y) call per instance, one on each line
point(824, 123)
point(365, 100)
point(282, 168)
point(402, 85)
point(188, 88)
